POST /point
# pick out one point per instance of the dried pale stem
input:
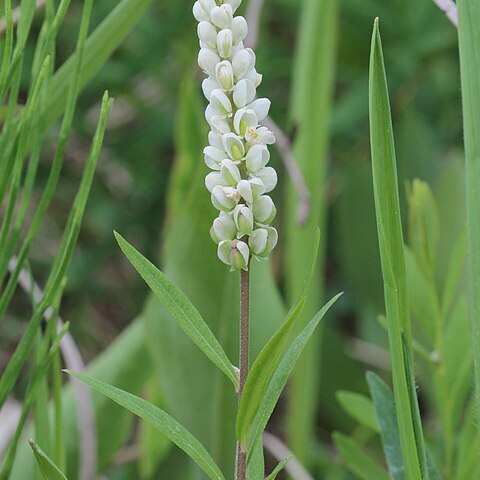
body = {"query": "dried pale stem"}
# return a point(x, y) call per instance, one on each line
point(244, 357)
point(449, 8)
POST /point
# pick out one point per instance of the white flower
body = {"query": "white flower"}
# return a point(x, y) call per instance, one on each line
point(225, 198)
point(223, 228)
point(244, 93)
point(237, 152)
point(257, 157)
point(264, 210)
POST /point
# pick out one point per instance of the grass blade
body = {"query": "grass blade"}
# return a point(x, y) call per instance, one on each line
point(267, 361)
point(160, 420)
point(47, 468)
point(280, 377)
point(359, 408)
point(279, 468)
point(389, 227)
point(187, 316)
point(469, 43)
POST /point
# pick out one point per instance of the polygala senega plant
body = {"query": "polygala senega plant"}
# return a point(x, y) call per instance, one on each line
point(239, 183)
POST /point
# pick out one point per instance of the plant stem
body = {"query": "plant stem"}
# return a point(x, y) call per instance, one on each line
point(244, 357)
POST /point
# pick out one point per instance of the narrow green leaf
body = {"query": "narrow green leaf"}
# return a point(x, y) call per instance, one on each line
point(387, 208)
point(469, 44)
point(160, 420)
point(256, 467)
point(280, 377)
point(47, 468)
point(279, 468)
point(387, 418)
point(360, 408)
point(268, 359)
point(187, 316)
point(357, 461)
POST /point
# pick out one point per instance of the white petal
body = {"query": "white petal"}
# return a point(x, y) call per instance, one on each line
point(233, 145)
point(215, 140)
point(244, 118)
point(213, 179)
point(244, 93)
point(243, 62)
point(230, 172)
point(268, 176)
point(222, 16)
point(257, 157)
point(213, 157)
point(223, 251)
point(239, 29)
point(254, 77)
point(220, 103)
point(207, 61)
point(207, 34)
point(208, 86)
point(233, 3)
point(199, 13)
point(261, 107)
point(245, 190)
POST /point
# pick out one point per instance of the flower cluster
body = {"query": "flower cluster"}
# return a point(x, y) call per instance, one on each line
point(237, 151)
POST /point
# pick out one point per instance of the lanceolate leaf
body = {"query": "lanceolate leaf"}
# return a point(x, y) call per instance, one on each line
point(280, 377)
point(267, 361)
point(361, 464)
point(387, 207)
point(187, 316)
point(160, 420)
point(387, 419)
point(360, 408)
point(47, 468)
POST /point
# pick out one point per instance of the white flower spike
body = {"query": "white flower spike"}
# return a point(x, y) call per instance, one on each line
point(237, 152)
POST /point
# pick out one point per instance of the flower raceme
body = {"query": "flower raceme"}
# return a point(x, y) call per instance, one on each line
point(237, 153)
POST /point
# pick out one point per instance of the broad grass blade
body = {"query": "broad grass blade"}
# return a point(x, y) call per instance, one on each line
point(387, 207)
point(159, 419)
point(187, 316)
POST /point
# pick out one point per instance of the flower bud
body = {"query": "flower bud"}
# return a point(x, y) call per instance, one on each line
point(207, 61)
point(244, 93)
point(239, 29)
point(243, 218)
point(213, 157)
point(243, 62)
point(208, 5)
point(207, 35)
point(222, 16)
point(224, 75)
point(230, 172)
point(223, 228)
point(224, 43)
point(261, 107)
point(213, 179)
point(220, 103)
point(257, 157)
point(269, 178)
point(225, 198)
point(215, 140)
point(264, 210)
point(244, 118)
point(233, 145)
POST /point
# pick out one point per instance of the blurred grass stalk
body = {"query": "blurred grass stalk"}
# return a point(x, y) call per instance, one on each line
point(387, 207)
point(469, 44)
point(310, 111)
